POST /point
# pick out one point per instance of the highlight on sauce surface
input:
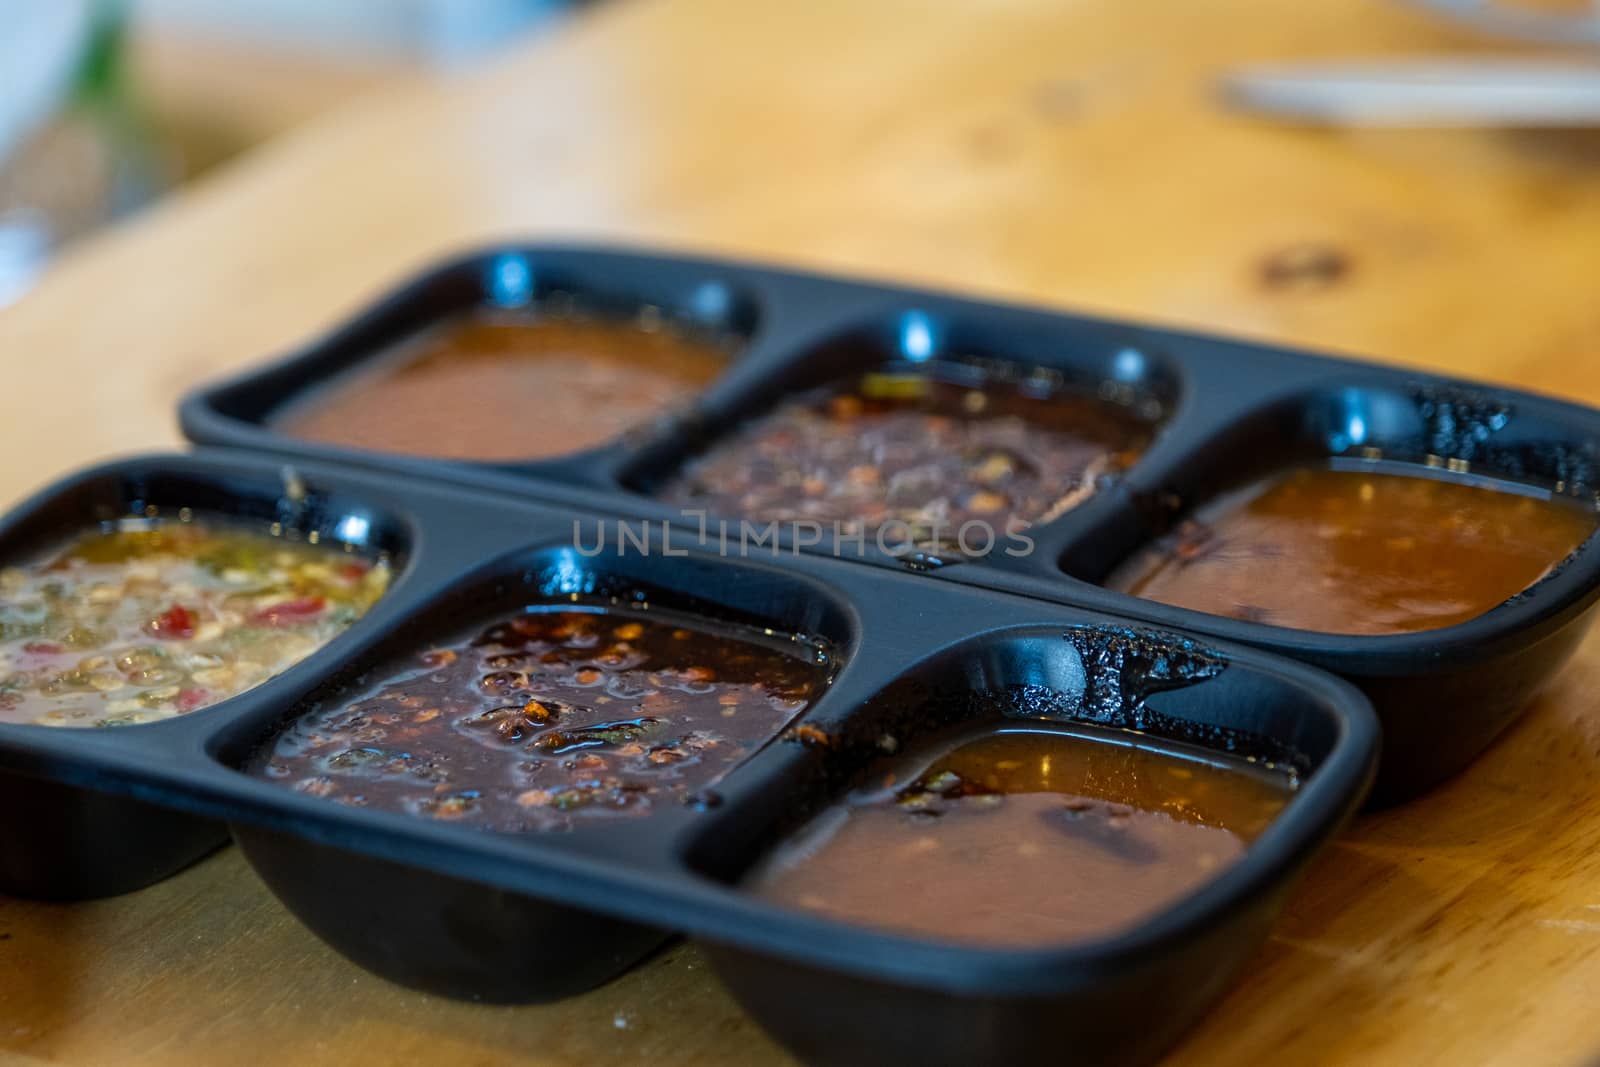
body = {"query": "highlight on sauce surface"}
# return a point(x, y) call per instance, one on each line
point(1358, 551)
point(150, 619)
point(1026, 837)
point(551, 715)
point(930, 446)
point(509, 385)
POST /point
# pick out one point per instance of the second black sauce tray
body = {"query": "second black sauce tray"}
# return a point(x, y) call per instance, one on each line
point(1223, 411)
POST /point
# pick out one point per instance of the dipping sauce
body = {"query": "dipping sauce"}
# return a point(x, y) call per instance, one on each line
point(507, 386)
point(153, 619)
point(1358, 552)
point(1027, 837)
point(551, 715)
point(931, 447)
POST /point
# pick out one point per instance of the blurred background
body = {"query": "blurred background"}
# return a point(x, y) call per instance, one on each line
point(107, 105)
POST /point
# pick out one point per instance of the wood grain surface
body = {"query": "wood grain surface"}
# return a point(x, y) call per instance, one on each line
point(1068, 153)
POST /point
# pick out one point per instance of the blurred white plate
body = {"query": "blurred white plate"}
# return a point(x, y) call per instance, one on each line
point(1424, 92)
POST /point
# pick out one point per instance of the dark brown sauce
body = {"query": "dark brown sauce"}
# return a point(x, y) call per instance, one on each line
point(920, 447)
point(506, 387)
point(551, 715)
point(1358, 552)
point(1027, 837)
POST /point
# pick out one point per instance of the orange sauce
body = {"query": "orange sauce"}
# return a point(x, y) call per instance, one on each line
point(1358, 552)
point(503, 387)
point(1027, 837)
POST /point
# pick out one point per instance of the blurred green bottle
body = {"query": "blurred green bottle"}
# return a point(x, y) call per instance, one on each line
point(75, 152)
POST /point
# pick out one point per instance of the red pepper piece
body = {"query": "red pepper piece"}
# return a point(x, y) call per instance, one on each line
point(190, 699)
point(43, 648)
point(290, 612)
point(176, 622)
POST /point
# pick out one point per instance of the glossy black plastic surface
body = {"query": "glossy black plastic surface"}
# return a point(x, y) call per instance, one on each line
point(440, 933)
point(1228, 411)
point(66, 842)
point(515, 917)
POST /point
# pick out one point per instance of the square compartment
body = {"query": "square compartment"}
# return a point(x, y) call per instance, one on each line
point(1477, 674)
point(79, 842)
point(887, 995)
point(508, 290)
point(1007, 392)
point(453, 936)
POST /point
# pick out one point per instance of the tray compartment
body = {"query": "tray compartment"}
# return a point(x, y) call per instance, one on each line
point(462, 938)
point(703, 300)
point(1457, 430)
point(75, 841)
point(1016, 352)
point(840, 993)
point(1480, 673)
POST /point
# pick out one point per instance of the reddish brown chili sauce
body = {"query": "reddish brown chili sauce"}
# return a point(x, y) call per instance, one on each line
point(508, 386)
point(1358, 551)
point(918, 450)
point(1027, 837)
point(553, 715)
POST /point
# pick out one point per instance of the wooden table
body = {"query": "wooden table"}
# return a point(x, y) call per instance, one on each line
point(1065, 153)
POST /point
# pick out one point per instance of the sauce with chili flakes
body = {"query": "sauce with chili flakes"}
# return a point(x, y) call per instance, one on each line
point(506, 386)
point(1027, 837)
point(929, 446)
point(1358, 552)
point(152, 619)
point(551, 715)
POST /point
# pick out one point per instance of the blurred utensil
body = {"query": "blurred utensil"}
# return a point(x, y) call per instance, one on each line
point(1424, 92)
point(1501, 19)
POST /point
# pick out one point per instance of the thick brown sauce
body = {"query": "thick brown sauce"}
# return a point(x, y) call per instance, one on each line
point(1026, 837)
point(1358, 552)
point(505, 388)
point(906, 446)
point(552, 715)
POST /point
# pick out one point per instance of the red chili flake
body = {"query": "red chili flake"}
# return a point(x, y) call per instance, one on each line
point(290, 612)
point(807, 734)
point(176, 622)
point(43, 648)
point(354, 570)
point(190, 699)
